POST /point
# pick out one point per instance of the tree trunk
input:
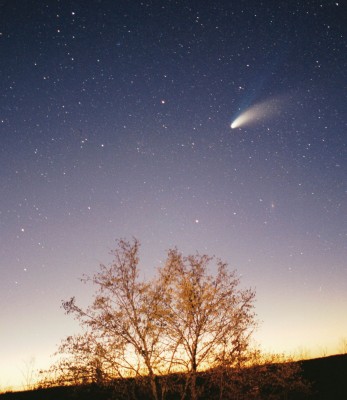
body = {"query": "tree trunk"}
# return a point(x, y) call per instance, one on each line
point(193, 393)
point(154, 386)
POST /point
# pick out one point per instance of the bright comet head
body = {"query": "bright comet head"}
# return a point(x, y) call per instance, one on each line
point(234, 125)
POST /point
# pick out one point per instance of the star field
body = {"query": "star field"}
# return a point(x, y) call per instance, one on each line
point(115, 122)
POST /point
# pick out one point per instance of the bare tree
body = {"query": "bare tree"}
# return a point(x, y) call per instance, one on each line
point(343, 346)
point(208, 316)
point(183, 332)
point(83, 359)
point(29, 372)
point(124, 321)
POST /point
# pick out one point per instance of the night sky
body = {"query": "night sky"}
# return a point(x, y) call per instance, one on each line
point(116, 122)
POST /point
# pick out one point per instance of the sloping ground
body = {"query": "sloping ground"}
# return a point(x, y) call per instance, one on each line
point(328, 376)
point(58, 393)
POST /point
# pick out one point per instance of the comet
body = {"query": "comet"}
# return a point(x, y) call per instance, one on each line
point(259, 112)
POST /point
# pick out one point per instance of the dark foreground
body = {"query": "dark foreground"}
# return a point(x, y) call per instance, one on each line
point(328, 376)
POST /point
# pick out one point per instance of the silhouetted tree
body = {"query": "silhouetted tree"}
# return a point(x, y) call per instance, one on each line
point(207, 315)
point(123, 322)
point(166, 332)
point(29, 372)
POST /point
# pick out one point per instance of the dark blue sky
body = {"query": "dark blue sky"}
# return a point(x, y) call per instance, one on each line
point(115, 121)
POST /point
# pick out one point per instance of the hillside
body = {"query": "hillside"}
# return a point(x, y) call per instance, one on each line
point(327, 374)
